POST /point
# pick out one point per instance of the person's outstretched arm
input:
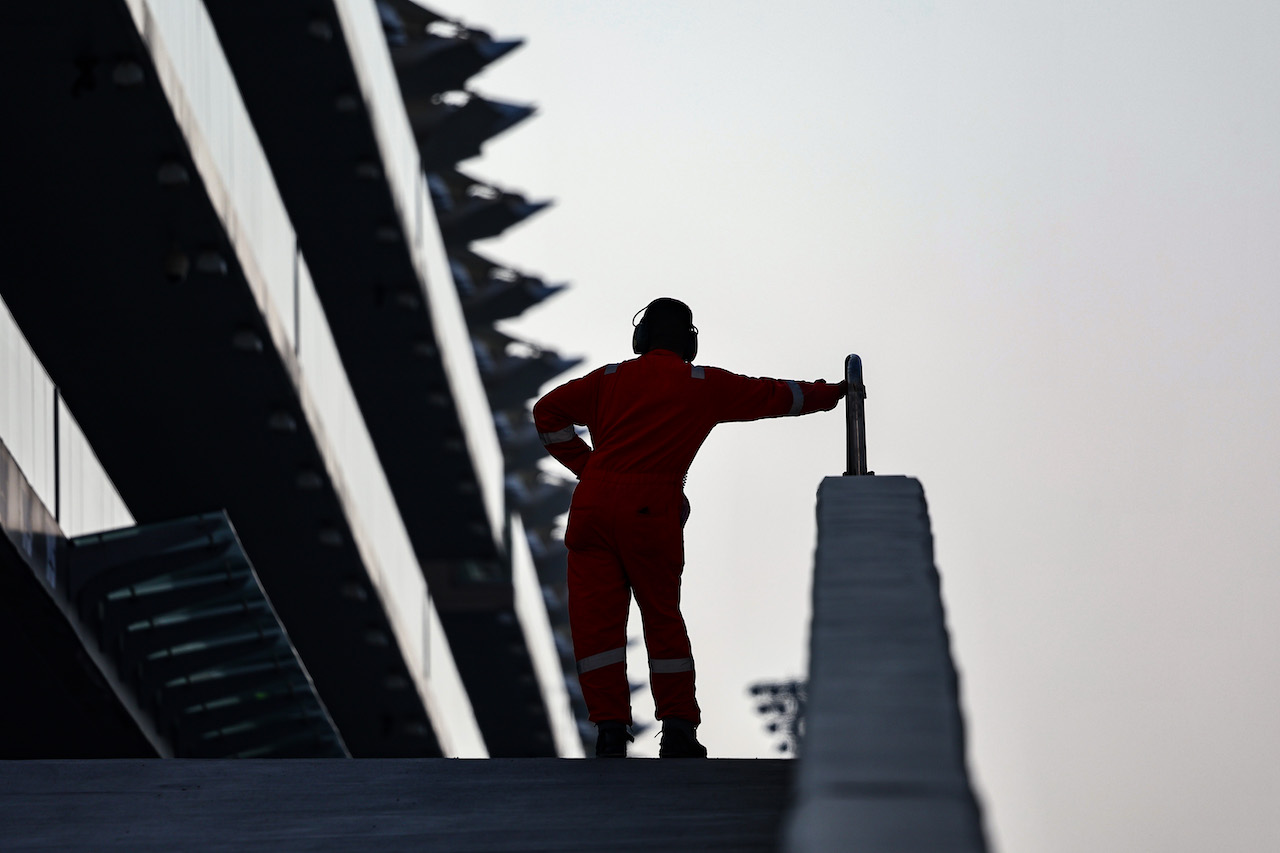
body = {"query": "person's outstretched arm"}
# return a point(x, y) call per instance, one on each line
point(743, 398)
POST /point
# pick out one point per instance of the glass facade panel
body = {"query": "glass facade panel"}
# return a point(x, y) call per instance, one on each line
point(252, 208)
point(393, 567)
point(89, 502)
point(399, 148)
point(195, 77)
point(381, 90)
point(49, 447)
point(26, 409)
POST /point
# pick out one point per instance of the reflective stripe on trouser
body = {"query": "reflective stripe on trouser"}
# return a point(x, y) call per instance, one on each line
point(625, 538)
point(618, 655)
point(670, 665)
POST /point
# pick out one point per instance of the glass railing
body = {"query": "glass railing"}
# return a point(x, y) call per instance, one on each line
point(531, 608)
point(27, 410)
point(87, 499)
point(44, 439)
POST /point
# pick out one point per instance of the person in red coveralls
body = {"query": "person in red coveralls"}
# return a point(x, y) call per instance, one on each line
point(647, 418)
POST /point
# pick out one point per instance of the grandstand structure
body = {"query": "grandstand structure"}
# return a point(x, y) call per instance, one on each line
point(268, 481)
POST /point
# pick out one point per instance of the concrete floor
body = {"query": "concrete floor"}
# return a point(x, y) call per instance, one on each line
point(383, 805)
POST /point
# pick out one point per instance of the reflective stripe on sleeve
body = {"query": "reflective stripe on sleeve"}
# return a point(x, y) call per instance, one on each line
point(671, 664)
point(797, 397)
point(591, 662)
point(699, 373)
point(610, 368)
point(566, 434)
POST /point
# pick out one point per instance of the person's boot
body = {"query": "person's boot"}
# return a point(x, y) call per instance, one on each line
point(612, 738)
point(679, 740)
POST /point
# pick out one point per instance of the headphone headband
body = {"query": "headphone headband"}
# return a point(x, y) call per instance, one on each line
point(642, 336)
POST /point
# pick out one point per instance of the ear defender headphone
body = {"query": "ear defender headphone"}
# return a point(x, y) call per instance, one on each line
point(640, 337)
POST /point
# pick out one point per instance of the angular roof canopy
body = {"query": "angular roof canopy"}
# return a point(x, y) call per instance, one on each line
point(433, 54)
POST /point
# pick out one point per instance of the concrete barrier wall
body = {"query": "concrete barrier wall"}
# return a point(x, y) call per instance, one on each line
point(882, 766)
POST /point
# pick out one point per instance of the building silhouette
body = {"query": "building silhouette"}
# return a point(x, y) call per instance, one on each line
point(270, 484)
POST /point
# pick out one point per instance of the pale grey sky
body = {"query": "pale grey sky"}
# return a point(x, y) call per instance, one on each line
point(1050, 230)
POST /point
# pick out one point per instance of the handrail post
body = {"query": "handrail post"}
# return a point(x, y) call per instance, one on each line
point(855, 418)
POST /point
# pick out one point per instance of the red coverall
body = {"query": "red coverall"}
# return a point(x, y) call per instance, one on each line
point(647, 417)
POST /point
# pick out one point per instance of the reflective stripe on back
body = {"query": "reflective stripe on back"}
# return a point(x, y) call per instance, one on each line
point(699, 373)
point(610, 368)
point(591, 662)
point(797, 397)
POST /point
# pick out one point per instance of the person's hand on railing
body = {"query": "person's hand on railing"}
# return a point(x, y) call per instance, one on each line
point(842, 388)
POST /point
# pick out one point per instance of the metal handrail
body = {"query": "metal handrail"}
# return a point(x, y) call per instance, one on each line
point(855, 419)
